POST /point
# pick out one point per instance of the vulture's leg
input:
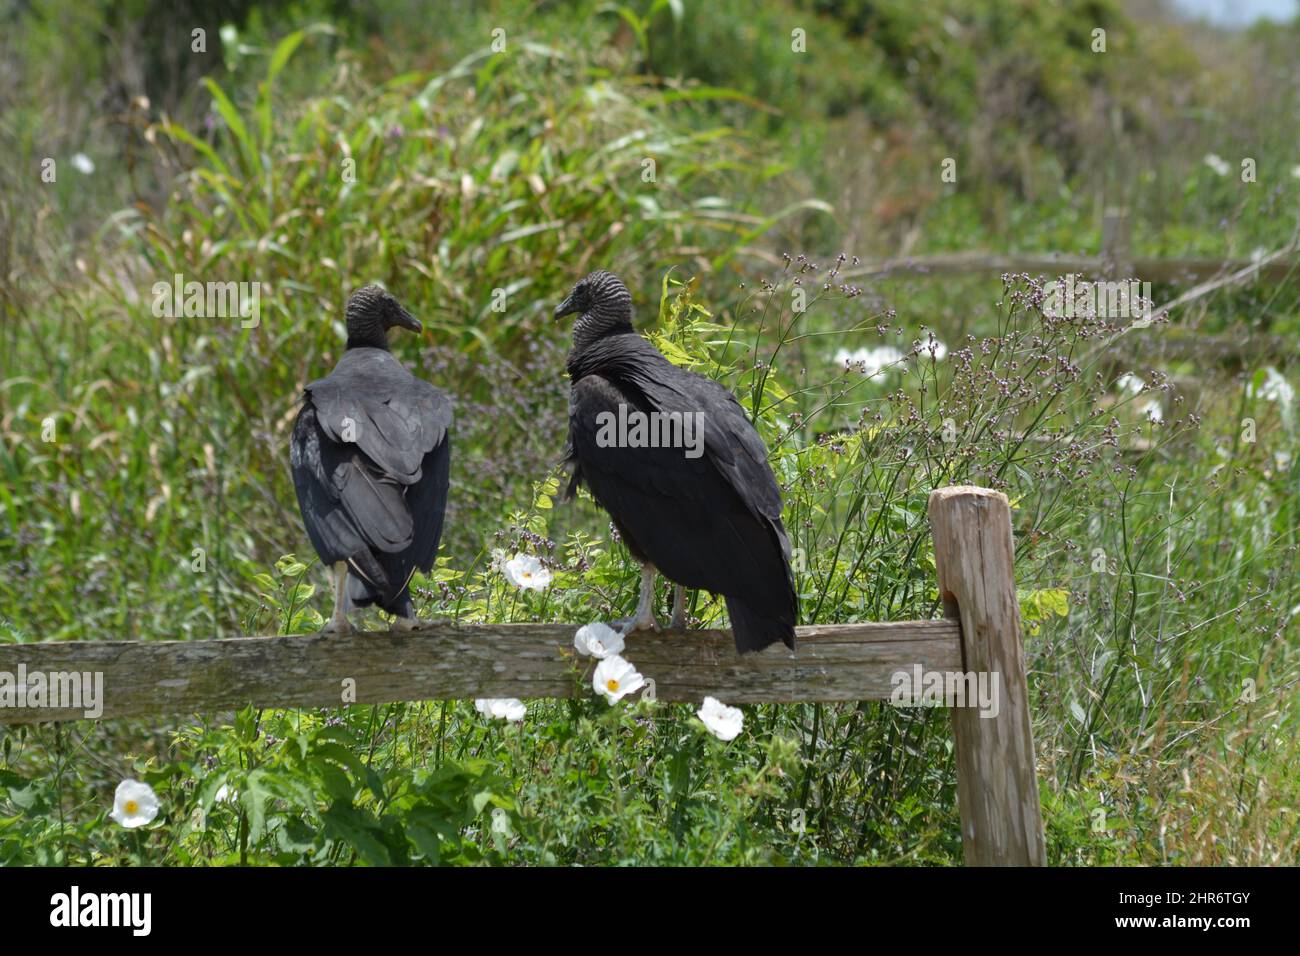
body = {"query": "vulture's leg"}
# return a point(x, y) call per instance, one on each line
point(339, 623)
point(679, 607)
point(644, 618)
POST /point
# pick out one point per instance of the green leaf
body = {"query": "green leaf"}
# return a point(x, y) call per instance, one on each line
point(185, 136)
point(253, 798)
point(248, 150)
point(283, 50)
point(425, 841)
point(358, 830)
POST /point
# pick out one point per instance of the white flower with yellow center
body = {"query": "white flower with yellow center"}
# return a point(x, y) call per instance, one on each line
point(526, 572)
point(722, 721)
point(615, 678)
point(598, 640)
point(501, 708)
point(134, 804)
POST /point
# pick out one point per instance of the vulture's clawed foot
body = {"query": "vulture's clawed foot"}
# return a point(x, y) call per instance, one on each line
point(418, 623)
point(630, 625)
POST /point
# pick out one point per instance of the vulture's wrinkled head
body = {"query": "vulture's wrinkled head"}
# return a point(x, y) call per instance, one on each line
point(371, 312)
point(603, 305)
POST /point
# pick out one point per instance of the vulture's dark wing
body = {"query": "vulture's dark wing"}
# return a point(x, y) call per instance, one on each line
point(427, 501)
point(394, 418)
point(711, 522)
point(732, 444)
point(370, 460)
point(348, 509)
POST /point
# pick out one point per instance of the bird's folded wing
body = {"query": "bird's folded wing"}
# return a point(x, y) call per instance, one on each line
point(702, 521)
point(394, 428)
point(731, 442)
point(594, 439)
point(375, 504)
point(348, 506)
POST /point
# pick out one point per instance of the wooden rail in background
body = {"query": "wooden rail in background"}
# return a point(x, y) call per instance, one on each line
point(997, 787)
point(1147, 269)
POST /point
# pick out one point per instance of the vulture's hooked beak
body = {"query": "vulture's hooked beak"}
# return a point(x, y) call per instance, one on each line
point(566, 307)
point(408, 321)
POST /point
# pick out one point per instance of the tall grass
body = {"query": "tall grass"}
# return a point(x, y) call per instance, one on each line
point(1140, 639)
point(1156, 562)
point(474, 194)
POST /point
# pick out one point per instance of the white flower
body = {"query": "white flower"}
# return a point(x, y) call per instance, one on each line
point(226, 794)
point(598, 640)
point(83, 164)
point(134, 804)
point(870, 362)
point(1152, 410)
point(501, 708)
point(615, 678)
point(1217, 164)
point(1275, 388)
point(525, 571)
point(923, 348)
point(722, 721)
point(1128, 382)
point(1295, 172)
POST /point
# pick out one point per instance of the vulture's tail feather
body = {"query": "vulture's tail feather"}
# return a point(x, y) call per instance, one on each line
point(755, 630)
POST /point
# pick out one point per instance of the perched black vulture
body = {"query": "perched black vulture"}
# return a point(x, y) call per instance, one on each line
point(370, 455)
point(705, 511)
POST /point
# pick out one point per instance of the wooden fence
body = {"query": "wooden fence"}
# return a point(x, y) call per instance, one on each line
point(1149, 269)
point(996, 783)
point(1116, 261)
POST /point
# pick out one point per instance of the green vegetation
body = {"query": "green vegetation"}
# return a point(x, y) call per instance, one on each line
point(684, 146)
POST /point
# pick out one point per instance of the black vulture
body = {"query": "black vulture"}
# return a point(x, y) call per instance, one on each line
point(706, 515)
point(371, 458)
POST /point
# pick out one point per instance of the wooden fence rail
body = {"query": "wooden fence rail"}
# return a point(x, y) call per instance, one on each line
point(143, 678)
point(1148, 269)
point(997, 786)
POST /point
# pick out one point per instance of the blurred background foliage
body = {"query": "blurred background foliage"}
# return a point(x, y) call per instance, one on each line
point(314, 146)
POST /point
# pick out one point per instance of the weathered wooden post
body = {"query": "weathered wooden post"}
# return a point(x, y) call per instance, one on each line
point(1116, 243)
point(997, 788)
